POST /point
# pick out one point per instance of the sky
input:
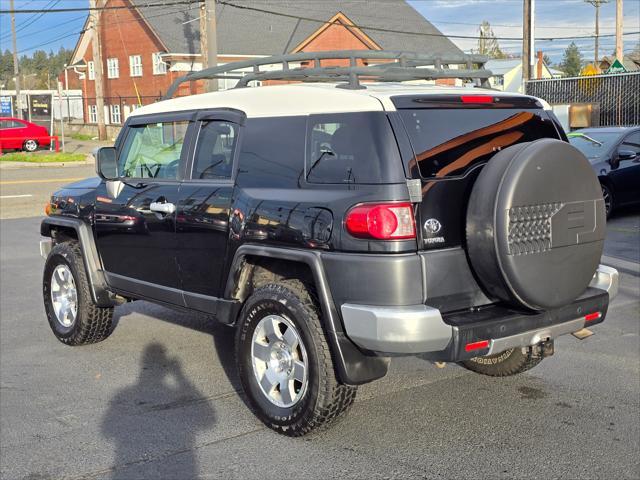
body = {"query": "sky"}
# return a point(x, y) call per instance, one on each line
point(554, 18)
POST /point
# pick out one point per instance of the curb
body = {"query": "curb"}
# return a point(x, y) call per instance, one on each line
point(18, 165)
point(626, 266)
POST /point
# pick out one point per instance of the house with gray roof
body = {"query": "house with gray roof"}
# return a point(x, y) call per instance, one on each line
point(144, 49)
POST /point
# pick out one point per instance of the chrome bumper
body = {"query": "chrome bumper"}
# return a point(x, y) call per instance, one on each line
point(421, 329)
point(45, 247)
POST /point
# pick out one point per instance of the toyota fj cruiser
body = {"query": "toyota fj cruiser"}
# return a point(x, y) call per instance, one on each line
point(335, 226)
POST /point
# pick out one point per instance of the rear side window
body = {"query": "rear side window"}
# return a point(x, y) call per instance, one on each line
point(214, 153)
point(448, 142)
point(352, 148)
point(272, 152)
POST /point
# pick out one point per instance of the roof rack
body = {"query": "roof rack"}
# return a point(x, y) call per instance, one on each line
point(388, 66)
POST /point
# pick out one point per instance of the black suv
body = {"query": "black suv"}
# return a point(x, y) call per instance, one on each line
point(335, 228)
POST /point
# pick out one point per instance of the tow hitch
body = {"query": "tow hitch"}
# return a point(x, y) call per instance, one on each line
point(543, 349)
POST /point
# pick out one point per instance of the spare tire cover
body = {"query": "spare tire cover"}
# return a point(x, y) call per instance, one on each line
point(536, 224)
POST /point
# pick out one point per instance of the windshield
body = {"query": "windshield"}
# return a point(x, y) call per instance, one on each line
point(593, 144)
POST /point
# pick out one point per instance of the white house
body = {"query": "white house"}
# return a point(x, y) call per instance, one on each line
point(507, 74)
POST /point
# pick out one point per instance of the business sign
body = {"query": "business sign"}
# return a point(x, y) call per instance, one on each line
point(616, 67)
point(6, 106)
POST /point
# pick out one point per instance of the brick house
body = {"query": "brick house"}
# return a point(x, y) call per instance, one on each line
point(145, 49)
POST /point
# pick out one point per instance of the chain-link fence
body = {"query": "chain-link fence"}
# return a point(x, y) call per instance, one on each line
point(615, 98)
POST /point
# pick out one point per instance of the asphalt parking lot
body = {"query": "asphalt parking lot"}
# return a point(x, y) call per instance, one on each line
point(159, 399)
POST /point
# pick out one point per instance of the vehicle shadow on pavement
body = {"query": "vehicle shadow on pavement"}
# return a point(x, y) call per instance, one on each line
point(141, 419)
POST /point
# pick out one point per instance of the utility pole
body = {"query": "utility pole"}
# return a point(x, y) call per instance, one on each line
point(619, 51)
point(596, 4)
point(97, 68)
point(209, 40)
point(527, 33)
point(16, 68)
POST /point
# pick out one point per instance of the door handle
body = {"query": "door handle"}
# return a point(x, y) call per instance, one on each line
point(165, 207)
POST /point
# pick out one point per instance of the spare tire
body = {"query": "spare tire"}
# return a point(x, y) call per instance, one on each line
point(536, 224)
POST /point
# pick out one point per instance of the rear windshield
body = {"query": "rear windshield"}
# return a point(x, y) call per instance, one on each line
point(448, 142)
point(352, 148)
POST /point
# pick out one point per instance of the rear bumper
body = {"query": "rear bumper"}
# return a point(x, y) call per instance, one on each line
point(423, 329)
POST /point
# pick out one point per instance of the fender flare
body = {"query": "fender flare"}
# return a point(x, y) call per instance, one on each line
point(100, 292)
point(353, 366)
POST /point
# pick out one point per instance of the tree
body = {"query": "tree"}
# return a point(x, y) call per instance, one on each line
point(488, 43)
point(571, 63)
point(546, 59)
point(39, 70)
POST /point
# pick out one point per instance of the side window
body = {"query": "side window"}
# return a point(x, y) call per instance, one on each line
point(215, 149)
point(632, 142)
point(272, 152)
point(153, 150)
point(352, 148)
point(10, 124)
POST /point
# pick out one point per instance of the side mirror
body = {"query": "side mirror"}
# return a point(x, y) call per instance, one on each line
point(106, 163)
point(626, 154)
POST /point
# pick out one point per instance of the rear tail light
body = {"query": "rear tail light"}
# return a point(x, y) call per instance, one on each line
point(381, 221)
point(476, 99)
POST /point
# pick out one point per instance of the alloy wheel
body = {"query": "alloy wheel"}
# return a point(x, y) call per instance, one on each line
point(280, 362)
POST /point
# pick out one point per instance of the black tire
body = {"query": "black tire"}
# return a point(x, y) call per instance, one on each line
point(504, 364)
point(324, 398)
point(607, 195)
point(92, 323)
point(30, 145)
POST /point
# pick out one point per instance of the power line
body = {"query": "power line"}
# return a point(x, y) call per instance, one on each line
point(389, 30)
point(111, 24)
point(31, 20)
point(96, 9)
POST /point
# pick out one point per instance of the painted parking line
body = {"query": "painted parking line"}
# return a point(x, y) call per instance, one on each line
point(15, 196)
point(42, 180)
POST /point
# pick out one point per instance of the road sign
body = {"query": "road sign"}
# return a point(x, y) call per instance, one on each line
point(6, 106)
point(616, 67)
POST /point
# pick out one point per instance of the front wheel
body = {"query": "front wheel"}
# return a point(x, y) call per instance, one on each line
point(285, 363)
point(504, 364)
point(607, 196)
point(73, 317)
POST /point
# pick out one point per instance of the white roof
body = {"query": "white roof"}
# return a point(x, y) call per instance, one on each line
point(304, 99)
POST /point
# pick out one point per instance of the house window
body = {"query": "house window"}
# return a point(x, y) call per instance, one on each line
point(91, 70)
point(113, 69)
point(114, 111)
point(135, 65)
point(93, 114)
point(499, 80)
point(159, 67)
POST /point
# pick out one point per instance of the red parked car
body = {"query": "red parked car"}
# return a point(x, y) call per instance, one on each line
point(21, 135)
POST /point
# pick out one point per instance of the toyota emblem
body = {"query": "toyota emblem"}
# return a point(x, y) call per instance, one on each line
point(432, 226)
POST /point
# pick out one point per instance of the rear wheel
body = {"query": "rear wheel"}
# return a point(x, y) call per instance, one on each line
point(285, 363)
point(73, 317)
point(30, 145)
point(504, 364)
